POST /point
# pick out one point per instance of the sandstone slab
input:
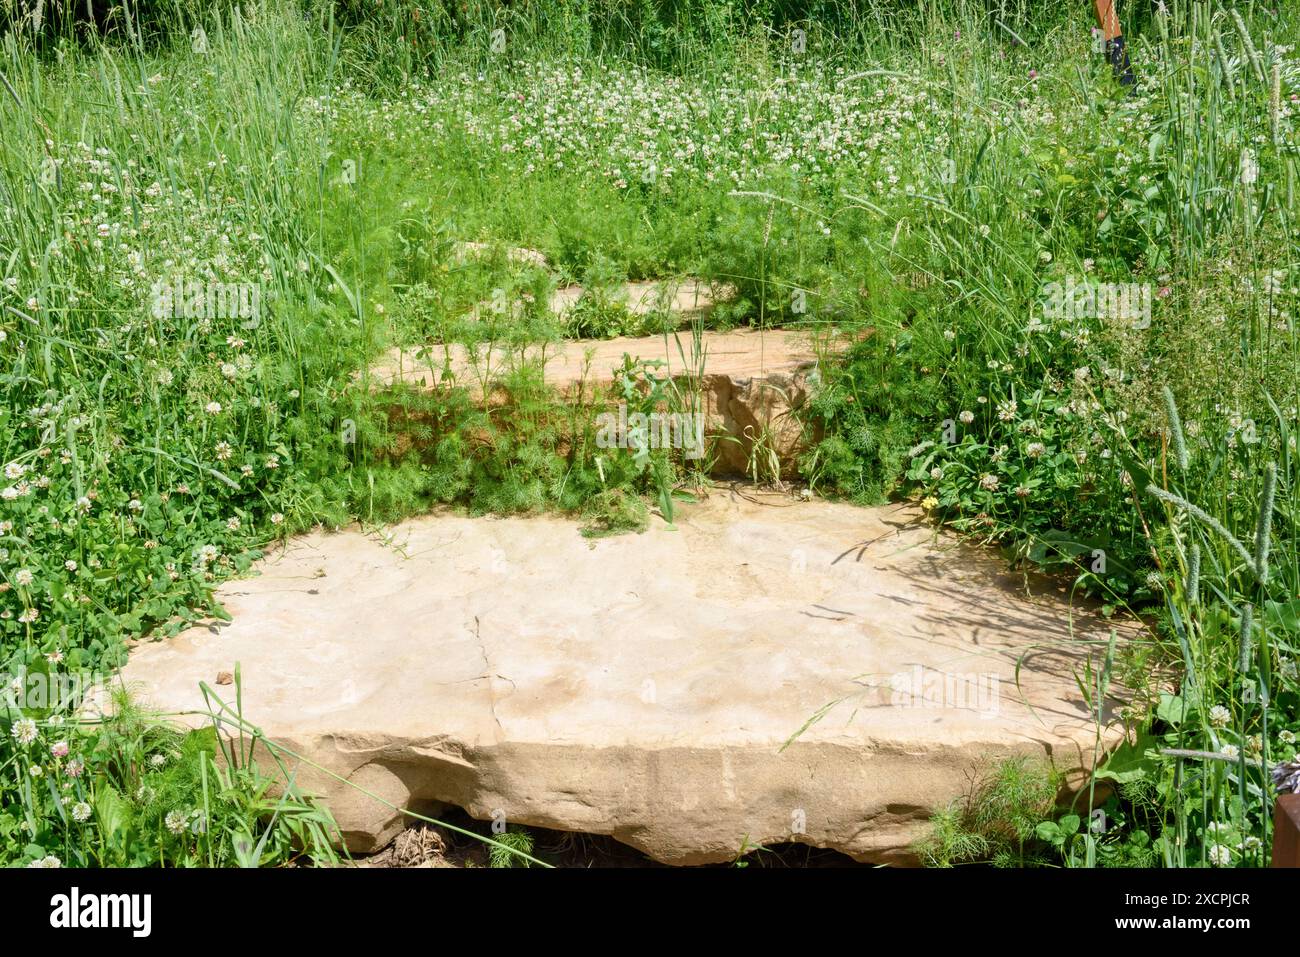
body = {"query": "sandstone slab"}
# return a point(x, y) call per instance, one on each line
point(753, 382)
point(649, 687)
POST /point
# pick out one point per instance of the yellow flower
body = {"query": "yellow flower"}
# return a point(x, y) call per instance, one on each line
point(929, 502)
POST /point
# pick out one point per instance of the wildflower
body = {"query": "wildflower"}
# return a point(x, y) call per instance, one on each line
point(1035, 450)
point(157, 760)
point(70, 565)
point(59, 749)
point(929, 502)
point(276, 518)
point(272, 461)
point(15, 470)
point(28, 616)
point(1287, 737)
point(175, 822)
point(1220, 716)
point(36, 770)
point(223, 451)
point(24, 731)
point(23, 577)
point(232, 523)
point(1022, 491)
point(1230, 751)
point(48, 861)
point(936, 473)
point(1220, 855)
point(989, 483)
point(165, 377)
point(54, 657)
point(74, 768)
point(212, 408)
point(966, 417)
point(229, 371)
point(83, 505)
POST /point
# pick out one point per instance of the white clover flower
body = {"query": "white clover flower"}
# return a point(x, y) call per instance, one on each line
point(1035, 450)
point(175, 821)
point(70, 565)
point(989, 483)
point(157, 760)
point(1230, 750)
point(23, 576)
point(966, 417)
point(165, 377)
point(1220, 716)
point(81, 812)
point(212, 408)
point(15, 470)
point(50, 861)
point(1220, 855)
point(24, 731)
point(276, 518)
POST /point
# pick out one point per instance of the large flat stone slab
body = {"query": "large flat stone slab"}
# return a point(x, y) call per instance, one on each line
point(643, 686)
point(735, 354)
point(752, 386)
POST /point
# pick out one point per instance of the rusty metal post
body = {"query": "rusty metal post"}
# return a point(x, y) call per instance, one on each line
point(1286, 831)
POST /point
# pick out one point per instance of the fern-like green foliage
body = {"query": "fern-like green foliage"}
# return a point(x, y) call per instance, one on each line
point(995, 823)
point(514, 839)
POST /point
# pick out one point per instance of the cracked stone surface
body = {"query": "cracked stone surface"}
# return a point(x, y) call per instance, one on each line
point(644, 686)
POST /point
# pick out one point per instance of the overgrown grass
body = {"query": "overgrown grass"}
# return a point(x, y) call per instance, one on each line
point(914, 176)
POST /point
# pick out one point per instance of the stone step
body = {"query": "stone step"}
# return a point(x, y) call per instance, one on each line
point(753, 382)
point(646, 687)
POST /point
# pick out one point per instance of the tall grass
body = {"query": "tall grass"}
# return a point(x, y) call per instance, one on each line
point(952, 159)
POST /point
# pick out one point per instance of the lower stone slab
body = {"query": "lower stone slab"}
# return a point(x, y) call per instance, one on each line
point(769, 670)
